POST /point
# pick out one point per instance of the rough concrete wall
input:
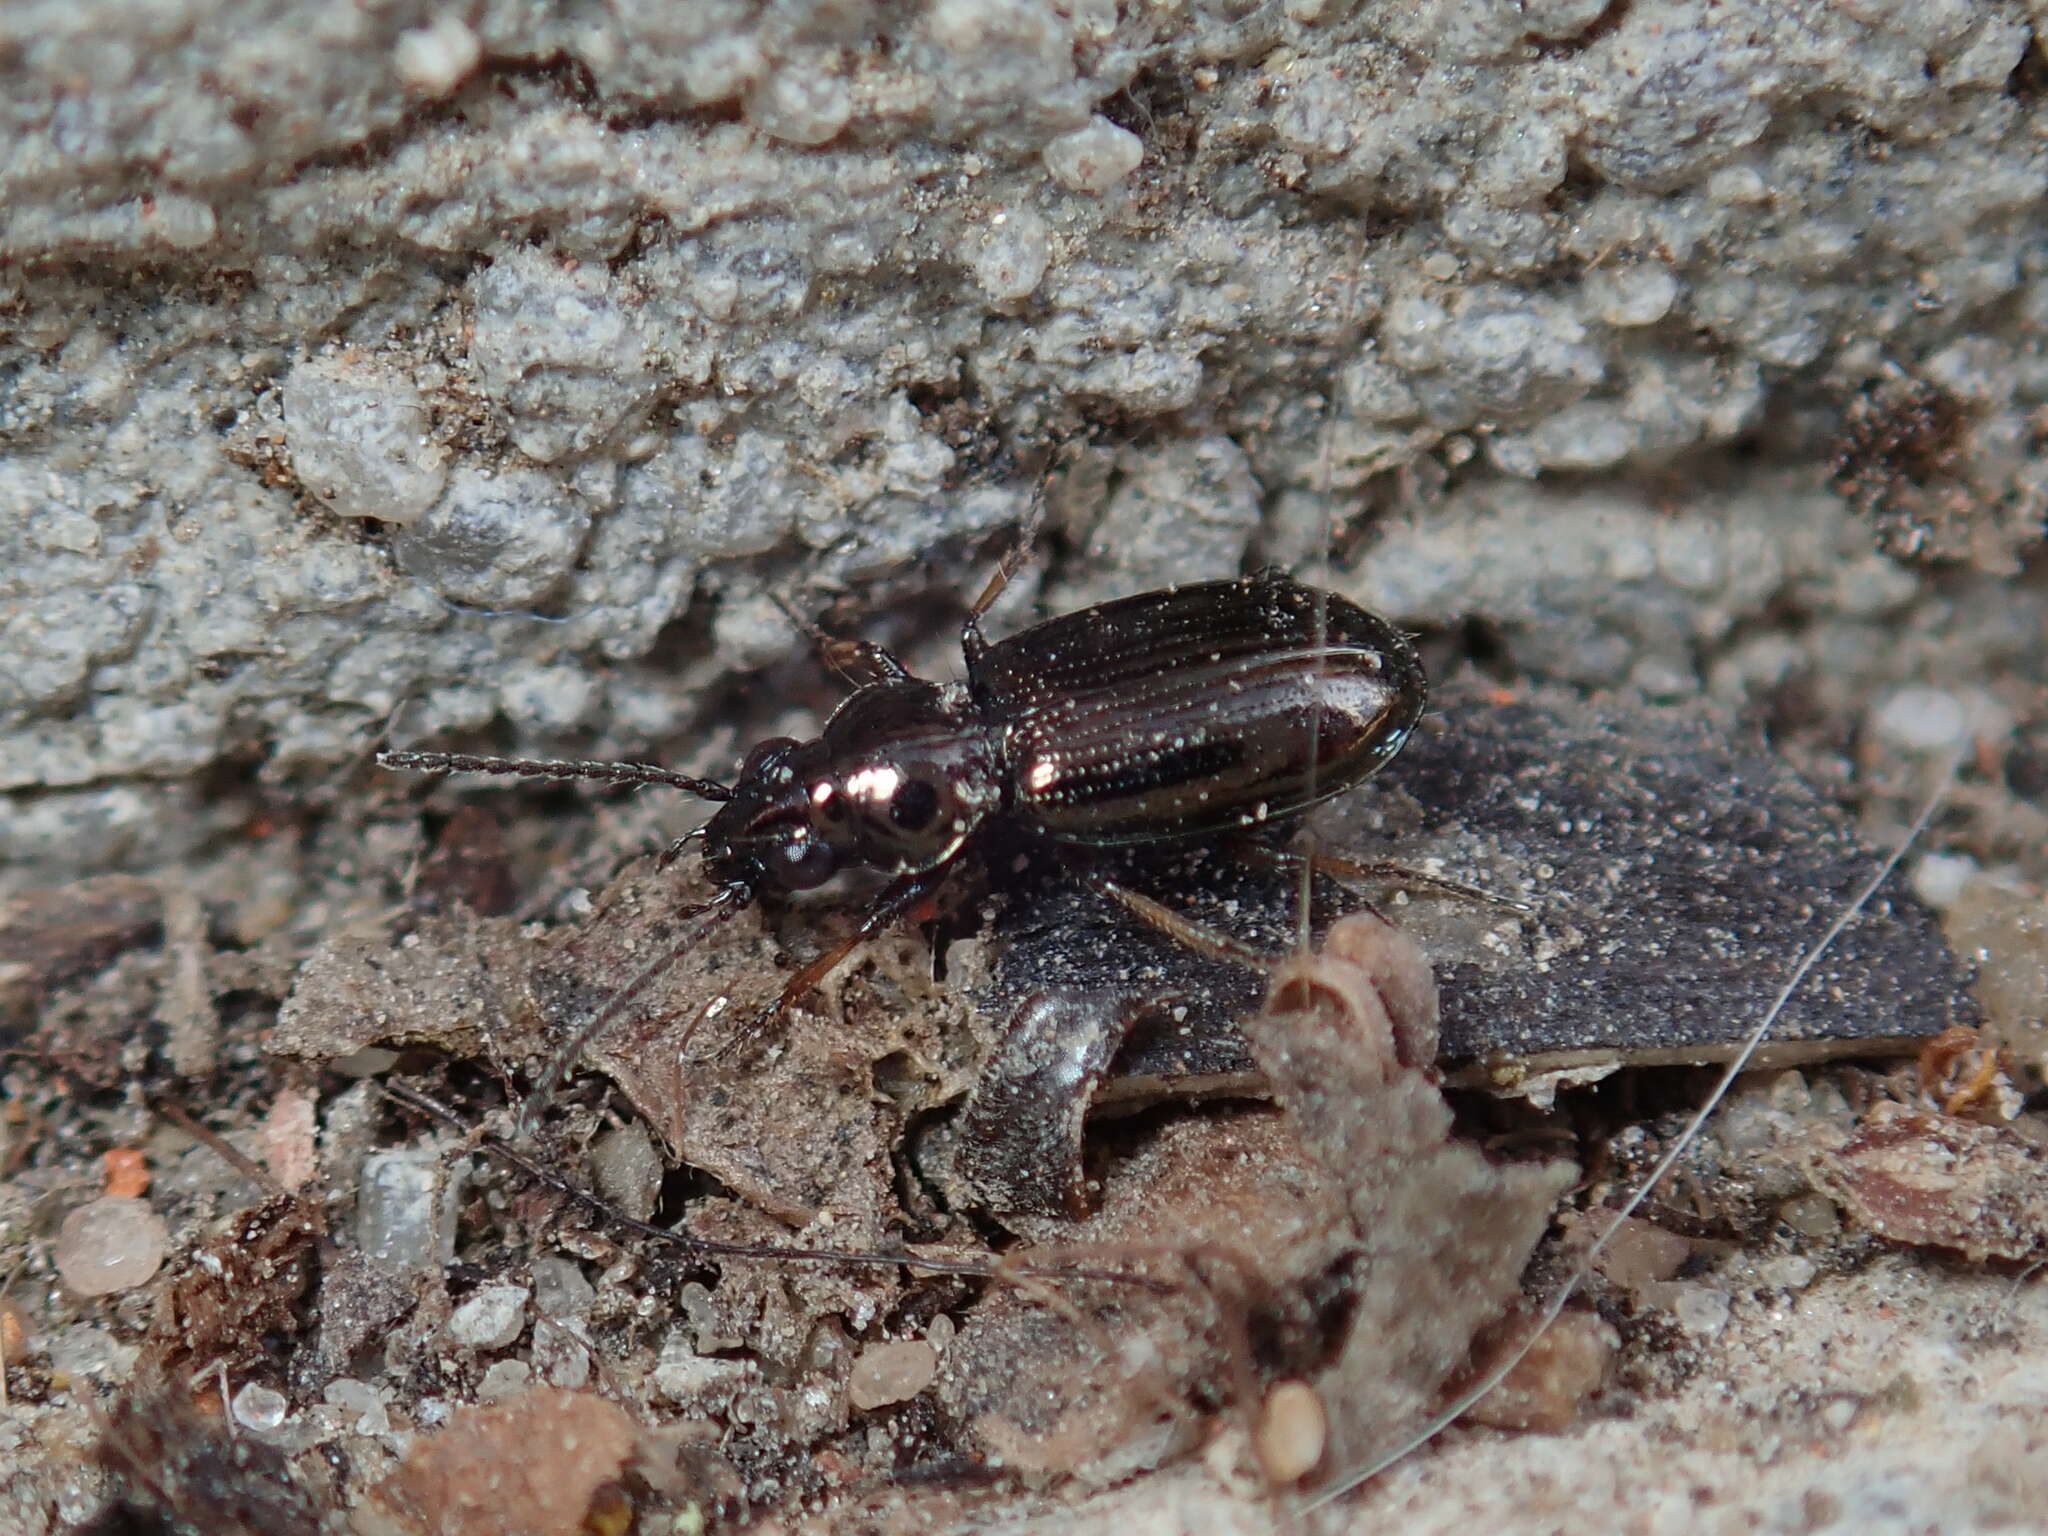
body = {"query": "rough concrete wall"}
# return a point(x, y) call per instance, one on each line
point(361, 353)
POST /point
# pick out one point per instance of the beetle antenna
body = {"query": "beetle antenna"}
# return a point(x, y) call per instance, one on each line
point(729, 900)
point(544, 768)
point(1467, 1399)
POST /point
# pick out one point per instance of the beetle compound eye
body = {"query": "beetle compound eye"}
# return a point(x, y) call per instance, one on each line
point(805, 862)
point(914, 805)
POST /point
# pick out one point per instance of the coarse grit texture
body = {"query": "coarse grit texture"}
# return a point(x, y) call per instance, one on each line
point(501, 361)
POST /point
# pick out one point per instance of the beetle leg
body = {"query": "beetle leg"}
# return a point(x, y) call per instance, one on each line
point(899, 900)
point(861, 662)
point(1341, 867)
point(972, 641)
point(1183, 930)
point(858, 662)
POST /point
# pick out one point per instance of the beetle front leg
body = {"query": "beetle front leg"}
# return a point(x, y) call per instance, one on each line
point(901, 899)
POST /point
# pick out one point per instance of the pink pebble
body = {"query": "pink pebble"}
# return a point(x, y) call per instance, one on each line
point(110, 1244)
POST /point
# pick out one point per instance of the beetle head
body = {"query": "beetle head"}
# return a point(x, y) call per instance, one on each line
point(764, 837)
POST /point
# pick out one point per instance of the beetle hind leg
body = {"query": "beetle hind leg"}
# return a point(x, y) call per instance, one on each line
point(1351, 871)
point(1186, 931)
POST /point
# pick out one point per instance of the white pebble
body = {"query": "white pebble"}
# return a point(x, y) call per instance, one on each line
point(360, 1404)
point(1013, 256)
point(1632, 296)
point(1094, 158)
point(110, 1244)
point(560, 1355)
point(260, 1408)
point(1700, 1309)
point(405, 1209)
point(506, 1378)
point(1918, 719)
point(1938, 878)
point(891, 1372)
point(491, 1319)
point(435, 59)
point(628, 1170)
point(800, 106)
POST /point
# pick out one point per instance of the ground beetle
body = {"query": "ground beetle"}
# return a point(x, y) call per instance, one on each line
point(1183, 715)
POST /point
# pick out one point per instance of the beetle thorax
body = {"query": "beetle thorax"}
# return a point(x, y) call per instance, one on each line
point(907, 775)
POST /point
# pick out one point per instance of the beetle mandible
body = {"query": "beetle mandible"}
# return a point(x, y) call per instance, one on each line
point(1190, 713)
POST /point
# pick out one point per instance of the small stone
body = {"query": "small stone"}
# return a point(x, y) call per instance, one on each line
point(260, 1408)
point(434, 59)
point(800, 105)
point(560, 1355)
point(494, 542)
point(1546, 1388)
point(1292, 1432)
point(88, 1352)
point(686, 1378)
point(628, 1170)
point(1811, 1215)
point(891, 1372)
point(1640, 1253)
point(1938, 878)
point(13, 1335)
point(1700, 1309)
point(2006, 933)
point(111, 1244)
point(1014, 255)
point(405, 1209)
point(357, 432)
point(706, 1319)
point(493, 1318)
point(1928, 720)
point(1633, 296)
point(361, 1406)
point(505, 1378)
point(1787, 1271)
point(1840, 1412)
point(559, 1289)
point(1094, 158)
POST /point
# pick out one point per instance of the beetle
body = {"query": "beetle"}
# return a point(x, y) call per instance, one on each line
point(1179, 716)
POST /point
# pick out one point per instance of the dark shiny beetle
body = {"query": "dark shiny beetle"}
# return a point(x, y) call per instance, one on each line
point(1188, 714)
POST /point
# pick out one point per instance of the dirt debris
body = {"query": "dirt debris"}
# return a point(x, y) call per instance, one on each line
point(1346, 1044)
point(537, 1465)
point(1935, 1180)
point(1254, 1257)
point(1548, 1387)
point(48, 937)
